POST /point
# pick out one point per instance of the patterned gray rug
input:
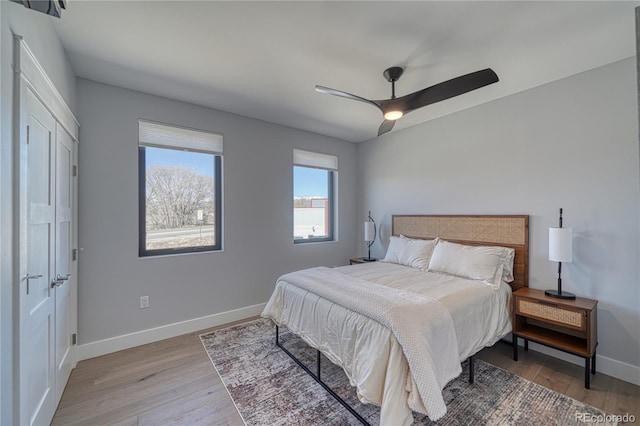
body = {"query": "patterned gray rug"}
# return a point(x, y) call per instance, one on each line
point(270, 389)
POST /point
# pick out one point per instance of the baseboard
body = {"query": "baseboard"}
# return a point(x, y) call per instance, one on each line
point(609, 366)
point(126, 341)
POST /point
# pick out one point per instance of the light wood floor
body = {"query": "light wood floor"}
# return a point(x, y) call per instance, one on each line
point(173, 382)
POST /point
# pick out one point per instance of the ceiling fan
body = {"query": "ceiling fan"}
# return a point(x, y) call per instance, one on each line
point(395, 108)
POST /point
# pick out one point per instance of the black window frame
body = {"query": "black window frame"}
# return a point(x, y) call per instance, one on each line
point(142, 209)
point(331, 218)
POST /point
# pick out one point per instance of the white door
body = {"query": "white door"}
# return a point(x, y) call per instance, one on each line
point(46, 215)
point(37, 243)
point(65, 281)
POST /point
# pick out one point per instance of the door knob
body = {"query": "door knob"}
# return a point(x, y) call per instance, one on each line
point(56, 283)
point(32, 277)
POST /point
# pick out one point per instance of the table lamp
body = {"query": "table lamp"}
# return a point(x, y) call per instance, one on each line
point(560, 250)
point(369, 236)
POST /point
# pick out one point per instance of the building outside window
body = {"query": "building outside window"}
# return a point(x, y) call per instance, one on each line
point(314, 178)
point(180, 187)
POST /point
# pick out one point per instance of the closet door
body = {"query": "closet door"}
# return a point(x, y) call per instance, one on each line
point(46, 215)
point(64, 279)
point(37, 321)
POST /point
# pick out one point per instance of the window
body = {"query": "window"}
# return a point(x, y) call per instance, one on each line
point(314, 177)
point(180, 187)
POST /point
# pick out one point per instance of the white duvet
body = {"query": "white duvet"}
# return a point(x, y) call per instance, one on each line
point(370, 353)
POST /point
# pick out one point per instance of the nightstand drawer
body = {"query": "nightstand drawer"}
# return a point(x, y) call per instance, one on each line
point(550, 312)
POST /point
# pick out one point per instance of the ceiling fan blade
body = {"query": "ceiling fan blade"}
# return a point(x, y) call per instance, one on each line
point(346, 95)
point(386, 126)
point(448, 89)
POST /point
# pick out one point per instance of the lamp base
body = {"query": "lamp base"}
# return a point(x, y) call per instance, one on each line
point(369, 259)
point(559, 295)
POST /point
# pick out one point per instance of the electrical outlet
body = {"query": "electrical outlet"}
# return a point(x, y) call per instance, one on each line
point(144, 302)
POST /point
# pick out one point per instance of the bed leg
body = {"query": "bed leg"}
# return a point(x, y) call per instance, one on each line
point(320, 382)
point(471, 378)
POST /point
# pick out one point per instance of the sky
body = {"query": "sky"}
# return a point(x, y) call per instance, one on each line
point(202, 163)
point(307, 182)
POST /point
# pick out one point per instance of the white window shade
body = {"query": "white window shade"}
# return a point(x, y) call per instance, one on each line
point(161, 135)
point(315, 160)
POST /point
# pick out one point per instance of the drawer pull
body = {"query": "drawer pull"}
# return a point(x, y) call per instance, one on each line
point(544, 302)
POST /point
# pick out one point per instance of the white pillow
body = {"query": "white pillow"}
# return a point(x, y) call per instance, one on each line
point(481, 263)
point(410, 252)
point(507, 271)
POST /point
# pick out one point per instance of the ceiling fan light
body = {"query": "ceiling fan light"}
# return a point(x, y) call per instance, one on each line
point(393, 115)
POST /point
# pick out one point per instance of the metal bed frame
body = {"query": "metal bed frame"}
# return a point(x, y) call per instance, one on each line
point(318, 378)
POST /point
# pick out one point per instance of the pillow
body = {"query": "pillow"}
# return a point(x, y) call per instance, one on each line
point(410, 252)
point(482, 263)
point(507, 272)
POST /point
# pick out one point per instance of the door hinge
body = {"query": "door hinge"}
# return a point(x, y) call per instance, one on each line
point(74, 170)
point(27, 135)
point(74, 338)
point(74, 254)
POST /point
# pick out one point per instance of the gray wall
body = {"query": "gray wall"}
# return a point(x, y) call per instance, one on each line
point(37, 30)
point(572, 144)
point(258, 216)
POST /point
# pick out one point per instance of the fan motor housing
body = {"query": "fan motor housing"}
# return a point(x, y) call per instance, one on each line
point(393, 74)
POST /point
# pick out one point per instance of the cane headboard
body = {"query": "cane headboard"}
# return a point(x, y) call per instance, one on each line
point(486, 230)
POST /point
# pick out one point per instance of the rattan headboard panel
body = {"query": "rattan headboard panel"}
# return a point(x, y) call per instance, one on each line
point(499, 230)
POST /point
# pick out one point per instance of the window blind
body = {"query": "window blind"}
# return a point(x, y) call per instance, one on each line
point(165, 136)
point(315, 160)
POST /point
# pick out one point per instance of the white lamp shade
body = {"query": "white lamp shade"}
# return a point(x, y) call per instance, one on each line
point(369, 231)
point(560, 244)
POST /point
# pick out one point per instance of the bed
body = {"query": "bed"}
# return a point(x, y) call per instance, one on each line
point(401, 327)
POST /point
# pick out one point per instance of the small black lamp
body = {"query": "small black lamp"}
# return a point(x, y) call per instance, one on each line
point(369, 236)
point(560, 250)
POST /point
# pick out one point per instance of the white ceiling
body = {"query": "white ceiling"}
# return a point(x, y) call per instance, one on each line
point(262, 59)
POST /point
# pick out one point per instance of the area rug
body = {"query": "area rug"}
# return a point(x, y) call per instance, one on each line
point(269, 388)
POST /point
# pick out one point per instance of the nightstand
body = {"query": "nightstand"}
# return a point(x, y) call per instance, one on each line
point(356, 260)
point(566, 325)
